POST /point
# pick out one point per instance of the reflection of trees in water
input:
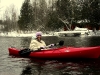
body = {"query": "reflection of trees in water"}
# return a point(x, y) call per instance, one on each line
point(32, 70)
point(27, 71)
point(63, 68)
point(81, 41)
point(25, 42)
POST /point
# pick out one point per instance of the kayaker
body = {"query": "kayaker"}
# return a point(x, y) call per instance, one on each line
point(37, 43)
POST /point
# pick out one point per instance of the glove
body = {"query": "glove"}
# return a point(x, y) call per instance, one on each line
point(51, 45)
point(41, 48)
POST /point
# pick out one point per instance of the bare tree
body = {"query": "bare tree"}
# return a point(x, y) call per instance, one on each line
point(40, 13)
point(14, 17)
point(10, 18)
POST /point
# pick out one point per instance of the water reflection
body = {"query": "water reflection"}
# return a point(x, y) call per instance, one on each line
point(23, 66)
point(81, 41)
point(55, 67)
point(25, 42)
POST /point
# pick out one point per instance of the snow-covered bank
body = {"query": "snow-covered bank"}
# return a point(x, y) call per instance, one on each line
point(79, 32)
point(16, 34)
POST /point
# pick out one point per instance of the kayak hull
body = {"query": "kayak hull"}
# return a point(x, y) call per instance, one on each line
point(63, 52)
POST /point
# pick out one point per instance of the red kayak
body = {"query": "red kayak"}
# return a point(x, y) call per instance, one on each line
point(63, 52)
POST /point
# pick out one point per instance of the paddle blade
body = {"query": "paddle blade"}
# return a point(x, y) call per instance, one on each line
point(24, 52)
point(61, 43)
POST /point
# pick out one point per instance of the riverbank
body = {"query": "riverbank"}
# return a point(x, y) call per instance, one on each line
point(22, 34)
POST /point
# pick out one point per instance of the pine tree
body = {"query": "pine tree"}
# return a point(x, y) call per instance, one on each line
point(53, 22)
point(26, 16)
point(92, 10)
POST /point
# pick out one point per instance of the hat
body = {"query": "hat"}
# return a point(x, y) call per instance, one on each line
point(38, 33)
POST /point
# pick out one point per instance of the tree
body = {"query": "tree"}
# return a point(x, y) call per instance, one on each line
point(7, 20)
point(26, 16)
point(70, 11)
point(10, 18)
point(92, 10)
point(40, 12)
point(42, 15)
point(53, 23)
point(95, 11)
point(14, 17)
point(67, 11)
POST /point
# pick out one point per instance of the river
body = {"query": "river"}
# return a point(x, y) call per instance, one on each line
point(24, 66)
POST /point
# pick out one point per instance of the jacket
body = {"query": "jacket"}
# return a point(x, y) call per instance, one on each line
point(35, 44)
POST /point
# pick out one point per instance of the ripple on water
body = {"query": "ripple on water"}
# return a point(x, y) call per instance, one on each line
point(24, 66)
point(12, 66)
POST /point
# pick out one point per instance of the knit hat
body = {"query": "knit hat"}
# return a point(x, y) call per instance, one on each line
point(38, 33)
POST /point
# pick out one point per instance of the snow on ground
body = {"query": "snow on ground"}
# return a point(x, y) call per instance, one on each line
point(16, 34)
point(33, 34)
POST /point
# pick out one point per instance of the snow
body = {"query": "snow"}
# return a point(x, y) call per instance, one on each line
point(21, 34)
point(81, 31)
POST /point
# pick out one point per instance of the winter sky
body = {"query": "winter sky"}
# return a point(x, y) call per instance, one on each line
point(7, 3)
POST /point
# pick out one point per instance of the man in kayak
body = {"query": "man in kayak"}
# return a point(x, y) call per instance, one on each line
point(37, 43)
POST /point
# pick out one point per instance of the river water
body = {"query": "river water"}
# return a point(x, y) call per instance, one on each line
point(24, 66)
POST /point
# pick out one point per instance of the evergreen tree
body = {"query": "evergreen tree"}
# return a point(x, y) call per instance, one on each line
point(40, 11)
point(95, 11)
point(68, 12)
point(53, 22)
point(26, 16)
point(91, 11)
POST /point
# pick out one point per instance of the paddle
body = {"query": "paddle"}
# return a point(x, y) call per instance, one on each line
point(27, 51)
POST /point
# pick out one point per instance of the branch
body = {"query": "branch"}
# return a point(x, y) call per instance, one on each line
point(65, 22)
